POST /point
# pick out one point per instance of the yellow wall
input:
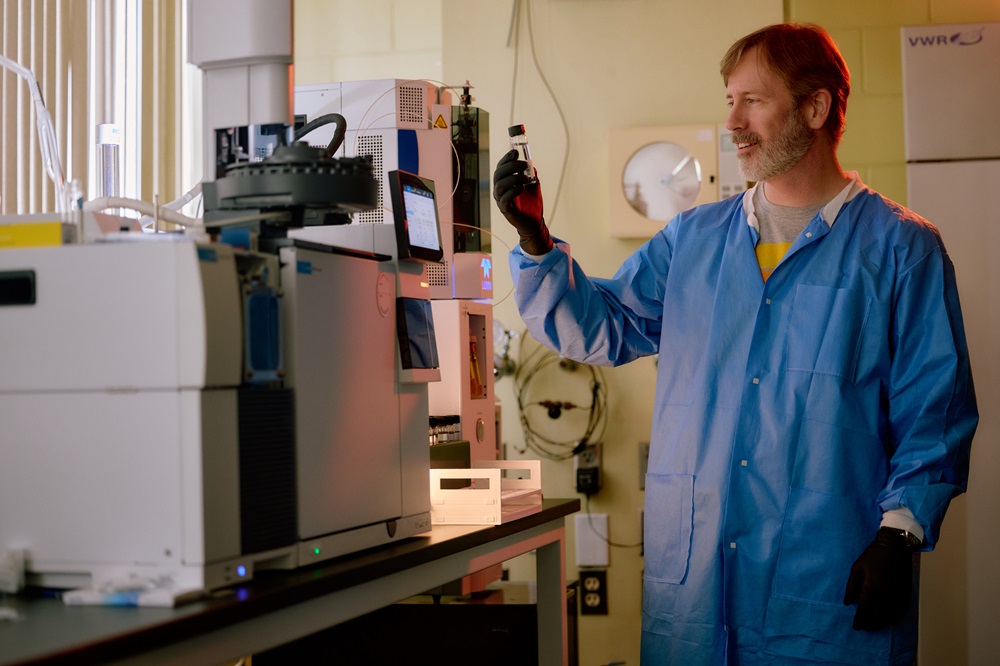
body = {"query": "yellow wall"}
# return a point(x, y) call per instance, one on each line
point(868, 36)
point(631, 63)
point(336, 40)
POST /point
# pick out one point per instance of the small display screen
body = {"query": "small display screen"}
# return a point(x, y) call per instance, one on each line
point(415, 329)
point(421, 217)
point(415, 215)
point(17, 288)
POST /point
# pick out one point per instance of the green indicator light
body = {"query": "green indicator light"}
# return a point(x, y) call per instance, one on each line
point(316, 551)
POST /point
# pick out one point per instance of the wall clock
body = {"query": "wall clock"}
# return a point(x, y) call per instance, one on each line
point(657, 172)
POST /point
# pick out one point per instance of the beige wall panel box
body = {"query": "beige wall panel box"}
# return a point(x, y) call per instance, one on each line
point(657, 172)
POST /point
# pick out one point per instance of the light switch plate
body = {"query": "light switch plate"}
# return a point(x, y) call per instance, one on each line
point(591, 539)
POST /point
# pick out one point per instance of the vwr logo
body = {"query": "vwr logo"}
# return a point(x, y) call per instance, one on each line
point(966, 38)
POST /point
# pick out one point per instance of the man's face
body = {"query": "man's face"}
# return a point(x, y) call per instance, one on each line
point(770, 133)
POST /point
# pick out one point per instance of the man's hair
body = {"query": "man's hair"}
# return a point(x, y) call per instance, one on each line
point(805, 58)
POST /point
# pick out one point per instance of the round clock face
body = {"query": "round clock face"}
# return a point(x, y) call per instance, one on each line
point(661, 179)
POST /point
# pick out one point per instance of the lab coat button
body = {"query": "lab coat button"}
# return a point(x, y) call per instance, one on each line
point(732, 545)
point(767, 300)
point(756, 380)
point(809, 234)
point(743, 463)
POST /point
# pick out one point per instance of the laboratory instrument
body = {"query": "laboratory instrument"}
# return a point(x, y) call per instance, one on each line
point(360, 481)
point(200, 403)
point(413, 127)
point(952, 151)
point(134, 450)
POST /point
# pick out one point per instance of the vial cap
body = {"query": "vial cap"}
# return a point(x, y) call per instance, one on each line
point(515, 130)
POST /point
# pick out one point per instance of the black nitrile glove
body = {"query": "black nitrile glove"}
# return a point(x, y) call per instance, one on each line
point(521, 203)
point(881, 580)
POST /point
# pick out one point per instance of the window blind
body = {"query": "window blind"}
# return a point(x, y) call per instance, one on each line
point(49, 38)
point(96, 61)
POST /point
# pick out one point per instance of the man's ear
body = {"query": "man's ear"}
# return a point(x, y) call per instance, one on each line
point(816, 108)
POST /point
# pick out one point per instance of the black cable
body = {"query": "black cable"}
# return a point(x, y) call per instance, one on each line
point(531, 363)
point(604, 537)
point(320, 121)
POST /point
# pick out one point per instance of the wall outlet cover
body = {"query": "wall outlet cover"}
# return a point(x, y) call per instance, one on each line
point(591, 539)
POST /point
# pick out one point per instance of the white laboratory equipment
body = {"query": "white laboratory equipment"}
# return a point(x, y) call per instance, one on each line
point(180, 412)
point(465, 337)
point(361, 423)
point(361, 409)
point(134, 449)
point(246, 60)
point(950, 95)
point(413, 126)
point(387, 119)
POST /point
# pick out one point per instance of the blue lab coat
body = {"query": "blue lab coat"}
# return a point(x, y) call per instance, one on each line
point(789, 415)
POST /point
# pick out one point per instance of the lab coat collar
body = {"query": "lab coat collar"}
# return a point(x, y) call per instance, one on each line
point(829, 212)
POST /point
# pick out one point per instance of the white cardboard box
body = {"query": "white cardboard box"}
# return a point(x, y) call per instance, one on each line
point(492, 499)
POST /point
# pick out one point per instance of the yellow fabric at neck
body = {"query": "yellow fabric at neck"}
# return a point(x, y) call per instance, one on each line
point(768, 256)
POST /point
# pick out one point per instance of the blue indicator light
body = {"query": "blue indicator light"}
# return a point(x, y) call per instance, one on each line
point(207, 254)
point(241, 571)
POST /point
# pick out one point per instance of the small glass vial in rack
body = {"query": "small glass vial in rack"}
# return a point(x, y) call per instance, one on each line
point(519, 142)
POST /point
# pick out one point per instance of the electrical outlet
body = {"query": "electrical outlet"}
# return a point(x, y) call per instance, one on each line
point(587, 465)
point(593, 592)
point(590, 456)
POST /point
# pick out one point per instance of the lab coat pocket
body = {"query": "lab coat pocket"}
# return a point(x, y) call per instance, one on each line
point(669, 516)
point(825, 330)
point(821, 536)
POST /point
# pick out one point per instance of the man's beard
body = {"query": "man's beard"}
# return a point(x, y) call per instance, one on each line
point(778, 155)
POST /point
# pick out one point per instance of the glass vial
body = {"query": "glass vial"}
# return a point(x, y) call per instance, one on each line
point(108, 145)
point(519, 142)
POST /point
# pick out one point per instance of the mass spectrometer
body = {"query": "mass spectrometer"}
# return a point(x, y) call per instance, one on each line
point(360, 415)
point(145, 437)
point(174, 407)
point(413, 126)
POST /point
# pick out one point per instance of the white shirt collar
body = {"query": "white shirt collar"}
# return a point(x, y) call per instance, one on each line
point(829, 211)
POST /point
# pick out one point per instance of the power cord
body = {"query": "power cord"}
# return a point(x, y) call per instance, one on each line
point(529, 367)
point(604, 537)
point(513, 36)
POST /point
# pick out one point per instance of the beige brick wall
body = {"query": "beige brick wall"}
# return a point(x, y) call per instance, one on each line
point(867, 32)
point(341, 40)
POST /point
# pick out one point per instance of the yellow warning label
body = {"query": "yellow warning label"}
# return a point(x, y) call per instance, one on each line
point(34, 234)
point(440, 123)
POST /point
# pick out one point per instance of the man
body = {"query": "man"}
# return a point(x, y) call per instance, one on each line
point(814, 406)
